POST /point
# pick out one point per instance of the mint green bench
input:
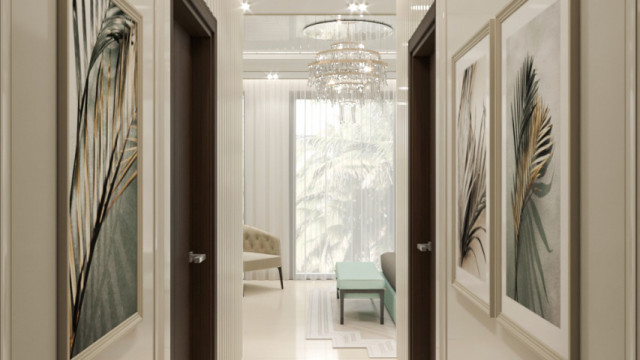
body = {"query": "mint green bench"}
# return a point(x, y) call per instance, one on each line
point(361, 278)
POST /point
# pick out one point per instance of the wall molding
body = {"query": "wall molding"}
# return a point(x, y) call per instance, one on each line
point(631, 180)
point(5, 183)
point(161, 175)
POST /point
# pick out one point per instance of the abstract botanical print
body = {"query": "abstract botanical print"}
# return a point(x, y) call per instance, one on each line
point(102, 226)
point(532, 130)
point(471, 176)
point(533, 149)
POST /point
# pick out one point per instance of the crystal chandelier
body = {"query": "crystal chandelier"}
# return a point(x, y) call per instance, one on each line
point(348, 73)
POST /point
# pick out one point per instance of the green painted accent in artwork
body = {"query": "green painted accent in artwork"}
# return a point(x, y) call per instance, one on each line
point(103, 192)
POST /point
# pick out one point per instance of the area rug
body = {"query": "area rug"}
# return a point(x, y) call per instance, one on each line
point(361, 327)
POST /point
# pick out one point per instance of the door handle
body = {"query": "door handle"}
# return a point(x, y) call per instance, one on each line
point(197, 258)
point(425, 247)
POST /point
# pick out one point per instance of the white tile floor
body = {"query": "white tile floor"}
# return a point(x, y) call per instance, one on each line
point(274, 323)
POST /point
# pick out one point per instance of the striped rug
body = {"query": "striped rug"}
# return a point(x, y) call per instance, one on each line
point(360, 330)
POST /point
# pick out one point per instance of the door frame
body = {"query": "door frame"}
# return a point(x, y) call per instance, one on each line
point(422, 45)
point(203, 25)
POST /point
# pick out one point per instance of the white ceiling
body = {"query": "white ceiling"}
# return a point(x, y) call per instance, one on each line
point(317, 7)
point(275, 43)
point(284, 33)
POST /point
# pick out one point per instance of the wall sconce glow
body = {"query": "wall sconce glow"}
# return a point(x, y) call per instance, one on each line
point(420, 7)
point(273, 76)
point(245, 7)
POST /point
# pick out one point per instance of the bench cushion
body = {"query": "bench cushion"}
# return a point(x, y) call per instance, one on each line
point(257, 261)
point(358, 276)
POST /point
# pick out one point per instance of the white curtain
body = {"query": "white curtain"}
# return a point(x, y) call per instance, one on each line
point(319, 176)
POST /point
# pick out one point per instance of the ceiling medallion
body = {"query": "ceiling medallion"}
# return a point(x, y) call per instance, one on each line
point(348, 73)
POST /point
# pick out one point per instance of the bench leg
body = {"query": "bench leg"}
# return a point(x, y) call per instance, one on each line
point(382, 307)
point(281, 283)
point(341, 307)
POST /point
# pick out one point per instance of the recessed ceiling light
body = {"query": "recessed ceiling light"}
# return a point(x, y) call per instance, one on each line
point(245, 7)
point(355, 7)
point(273, 76)
point(420, 7)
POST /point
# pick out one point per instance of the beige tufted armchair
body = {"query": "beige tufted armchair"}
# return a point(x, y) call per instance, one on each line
point(261, 251)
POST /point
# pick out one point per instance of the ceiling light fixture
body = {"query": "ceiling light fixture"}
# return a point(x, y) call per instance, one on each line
point(358, 7)
point(273, 76)
point(348, 73)
point(246, 7)
point(420, 7)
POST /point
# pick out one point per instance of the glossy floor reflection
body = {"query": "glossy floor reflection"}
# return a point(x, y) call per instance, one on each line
point(274, 323)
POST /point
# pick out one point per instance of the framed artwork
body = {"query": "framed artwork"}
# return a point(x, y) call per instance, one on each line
point(473, 109)
point(537, 107)
point(99, 231)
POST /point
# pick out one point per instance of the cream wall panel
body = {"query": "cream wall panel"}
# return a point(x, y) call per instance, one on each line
point(33, 185)
point(603, 155)
point(230, 43)
point(602, 131)
point(5, 183)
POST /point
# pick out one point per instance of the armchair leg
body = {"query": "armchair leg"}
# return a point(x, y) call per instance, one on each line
point(281, 283)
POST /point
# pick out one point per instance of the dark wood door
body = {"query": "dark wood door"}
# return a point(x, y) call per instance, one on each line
point(422, 191)
point(193, 181)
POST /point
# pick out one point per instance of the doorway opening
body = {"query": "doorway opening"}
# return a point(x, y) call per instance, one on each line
point(319, 198)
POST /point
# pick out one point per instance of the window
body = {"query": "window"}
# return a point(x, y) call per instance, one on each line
point(344, 184)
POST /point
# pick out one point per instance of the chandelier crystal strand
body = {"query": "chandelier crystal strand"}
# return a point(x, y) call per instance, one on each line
point(348, 73)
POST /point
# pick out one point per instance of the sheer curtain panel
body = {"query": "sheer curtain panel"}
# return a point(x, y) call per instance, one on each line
point(319, 176)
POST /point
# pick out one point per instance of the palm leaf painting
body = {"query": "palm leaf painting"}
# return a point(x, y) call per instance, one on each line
point(106, 137)
point(472, 176)
point(533, 151)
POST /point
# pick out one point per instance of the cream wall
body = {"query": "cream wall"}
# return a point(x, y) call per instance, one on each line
point(603, 172)
point(33, 179)
point(603, 179)
point(28, 196)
